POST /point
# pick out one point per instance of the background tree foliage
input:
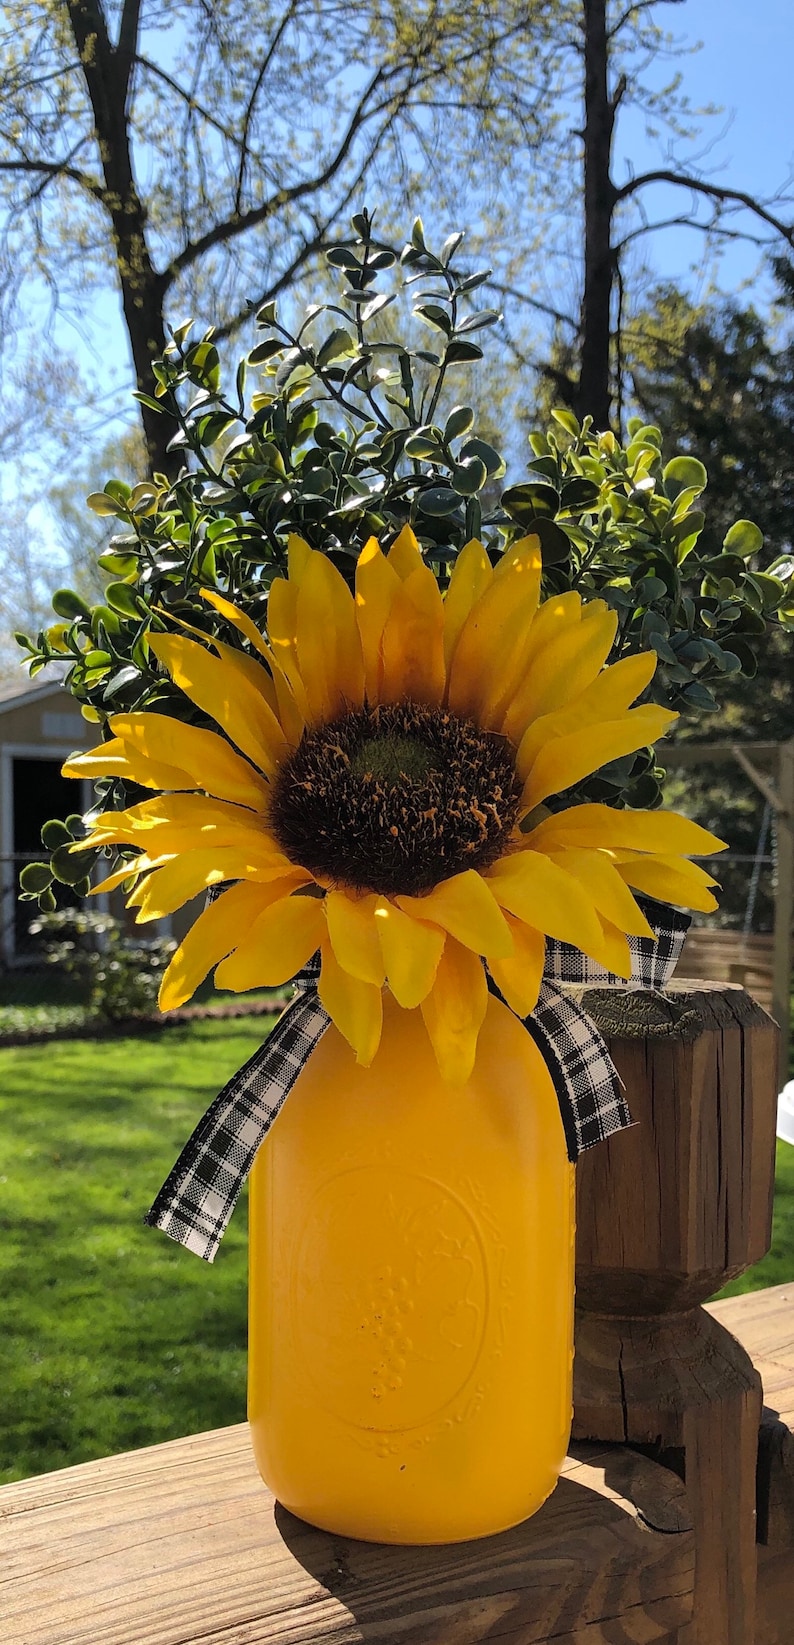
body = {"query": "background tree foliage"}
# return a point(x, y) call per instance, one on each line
point(201, 156)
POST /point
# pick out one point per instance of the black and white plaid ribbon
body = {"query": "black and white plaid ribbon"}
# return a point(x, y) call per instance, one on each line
point(196, 1201)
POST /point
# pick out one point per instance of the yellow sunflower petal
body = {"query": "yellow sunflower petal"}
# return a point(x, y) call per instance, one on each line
point(542, 894)
point(668, 880)
point(298, 556)
point(240, 621)
point(112, 759)
point(222, 689)
point(693, 871)
point(466, 907)
point(601, 879)
point(329, 650)
point(617, 954)
point(128, 871)
point(608, 698)
point(490, 657)
point(354, 1006)
point(353, 935)
point(471, 574)
point(190, 817)
point(185, 876)
point(210, 763)
point(411, 952)
point(555, 617)
point(601, 825)
point(569, 663)
point(566, 760)
point(282, 628)
point(520, 977)
point(413, 642)
point(454, 1011)
point(377, 583)
point(212, 936)
point(249, 668)
point(278, 943)
point(405, 555)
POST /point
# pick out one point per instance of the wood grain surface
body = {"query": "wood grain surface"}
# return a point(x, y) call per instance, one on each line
point(763, 1322)
point(182, 1545)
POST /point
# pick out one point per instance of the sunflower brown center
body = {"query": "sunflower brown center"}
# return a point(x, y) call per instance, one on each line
point(395, 798)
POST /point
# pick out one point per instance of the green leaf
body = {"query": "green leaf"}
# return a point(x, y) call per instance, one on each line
point(265, 350)
point(203, 366)
point(488, 455)
point(337, 346)
point(473, 280)
point(684, 473)
point(66, 603)
point(437, 501)
point(435, 315)
point(342, 257)
point(101, 503)
point(420, 447)
point(461, 353)
point(769, 589)
point(744, 539)
point(567, 421)
point(579, 493)
point(36, 877)
point(458, 422)
point(66, 867)
point(55, 833)
point(120, 597)
point(469, 476)
point(524, 502)
point(475, 322)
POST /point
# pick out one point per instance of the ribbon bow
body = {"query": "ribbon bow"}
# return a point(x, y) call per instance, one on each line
point(197, 1198)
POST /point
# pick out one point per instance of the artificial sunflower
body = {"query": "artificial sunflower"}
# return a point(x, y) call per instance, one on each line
point(377, 792)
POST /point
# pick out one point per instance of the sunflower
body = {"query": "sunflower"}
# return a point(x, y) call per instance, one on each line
point(375, 791)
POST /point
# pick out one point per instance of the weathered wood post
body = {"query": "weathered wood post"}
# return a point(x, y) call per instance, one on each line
point(668, 1212)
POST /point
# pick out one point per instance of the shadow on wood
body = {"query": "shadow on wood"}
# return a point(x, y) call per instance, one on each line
point(182, 1542)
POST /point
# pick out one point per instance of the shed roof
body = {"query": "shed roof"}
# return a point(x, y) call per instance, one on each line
point(16, 693)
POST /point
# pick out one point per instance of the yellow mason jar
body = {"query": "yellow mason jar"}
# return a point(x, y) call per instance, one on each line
point(411, 1289)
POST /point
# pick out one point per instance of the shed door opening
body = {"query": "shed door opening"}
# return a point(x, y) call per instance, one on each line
point(39, 793)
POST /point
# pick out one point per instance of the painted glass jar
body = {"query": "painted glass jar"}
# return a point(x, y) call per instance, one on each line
point(411, 1289)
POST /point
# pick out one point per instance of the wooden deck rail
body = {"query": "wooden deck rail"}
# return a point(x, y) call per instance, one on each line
point(181, 1544)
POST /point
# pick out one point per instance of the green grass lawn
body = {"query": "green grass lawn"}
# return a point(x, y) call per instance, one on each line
point(113, 1337)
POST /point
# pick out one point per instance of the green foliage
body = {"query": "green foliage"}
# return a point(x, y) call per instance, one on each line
point(119, 978)
point(351, 430)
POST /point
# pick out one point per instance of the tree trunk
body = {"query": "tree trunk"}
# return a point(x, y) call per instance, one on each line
point(107, 70)
point(594, 396)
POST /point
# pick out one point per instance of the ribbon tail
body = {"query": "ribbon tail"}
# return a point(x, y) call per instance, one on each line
point(199, 1194)
point(587, 1083)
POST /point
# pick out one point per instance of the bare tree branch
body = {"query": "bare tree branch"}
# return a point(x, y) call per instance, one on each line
point(238, 223)
point(255, 90)
point(57, 168)
point(533, 302)
point(632, 11)
point(712, 191)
